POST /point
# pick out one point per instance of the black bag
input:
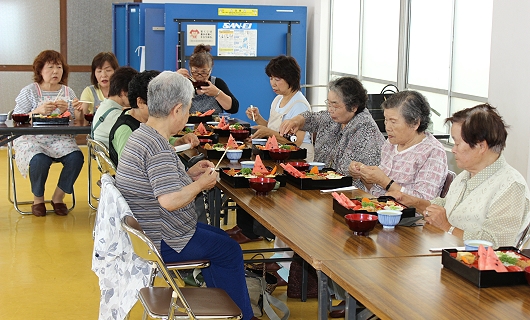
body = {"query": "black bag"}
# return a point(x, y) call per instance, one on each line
point(260, 285)
point(294, 285)
point(374, 104)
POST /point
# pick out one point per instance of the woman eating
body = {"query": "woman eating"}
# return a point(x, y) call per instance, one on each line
point(36, 153)
point(489, 200)
point(161, 193)
point(345, 132)
point(412, 160)
point(214, 94)
point(284, 75)
point(103, 66)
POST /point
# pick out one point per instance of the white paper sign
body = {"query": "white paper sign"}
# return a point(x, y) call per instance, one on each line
point(237, 39)
point(200, 34)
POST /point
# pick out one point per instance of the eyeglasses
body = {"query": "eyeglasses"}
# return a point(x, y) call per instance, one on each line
point(201, 74)
point(332, 105)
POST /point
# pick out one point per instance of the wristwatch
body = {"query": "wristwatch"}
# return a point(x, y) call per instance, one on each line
point(450, 231)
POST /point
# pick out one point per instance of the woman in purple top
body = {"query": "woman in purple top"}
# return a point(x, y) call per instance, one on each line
point(412, 160)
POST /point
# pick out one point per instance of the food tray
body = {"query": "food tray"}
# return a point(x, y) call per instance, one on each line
point(310, 184)
point(483, 278)
point(242, 182)
point(195, 119)
point(214, 154)
point(38, 121)
point(264, 154)
point(214, 137)
point(406, 213)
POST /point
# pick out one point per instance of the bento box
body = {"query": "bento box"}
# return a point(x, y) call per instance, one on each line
point(242, 182)
point(320, 184)
point(407, 212)
point(299, 153)
point(485, 278)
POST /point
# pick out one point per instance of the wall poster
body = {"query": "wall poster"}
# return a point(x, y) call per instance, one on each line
point(200, 34)
point(237, 39)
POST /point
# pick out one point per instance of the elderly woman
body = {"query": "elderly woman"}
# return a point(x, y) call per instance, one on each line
point(345, 132)
point(412, 160)
point(284, 75)
point(160, 192)
point(35, 154)
point(489, 200)
point(215, 94)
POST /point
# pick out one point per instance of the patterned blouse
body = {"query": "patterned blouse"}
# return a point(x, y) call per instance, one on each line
point(492, 206)
point(420, 170)
point(360, 140)
point(54, 146)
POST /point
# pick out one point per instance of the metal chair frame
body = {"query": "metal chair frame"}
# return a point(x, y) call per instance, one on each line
point(12, 185)
point(180, 306)
point(94, 148)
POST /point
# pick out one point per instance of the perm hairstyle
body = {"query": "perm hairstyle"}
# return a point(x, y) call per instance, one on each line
point(138, 86)
point(201, 57)
point(98, 62)
point(351, 91)
point(51, 56)
point(413, 107)
point(166, 91)
point(481, 123)
point(119, 81)
point(285, 68)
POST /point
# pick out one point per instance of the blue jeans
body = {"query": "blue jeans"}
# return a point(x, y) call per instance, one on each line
point(39, 167)
point(226, 270)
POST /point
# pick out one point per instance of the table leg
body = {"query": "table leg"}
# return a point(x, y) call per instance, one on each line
point(214, 205)
point(350, 308)
point(323, 295)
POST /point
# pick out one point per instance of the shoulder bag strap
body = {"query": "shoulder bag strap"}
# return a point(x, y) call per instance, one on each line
point(100, 121)
point(269, 300)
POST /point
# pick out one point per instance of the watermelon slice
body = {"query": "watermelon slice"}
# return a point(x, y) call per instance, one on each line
point(259, 167)
point(207, 113)
point(201, 130)
point(339, 199)
point(292, 170)
point(222, 123)
point(481, 258)
point(232, 144)
point(272, 143)
point(66, 114)
point(493, 262)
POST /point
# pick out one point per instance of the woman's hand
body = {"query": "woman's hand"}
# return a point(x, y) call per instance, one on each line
point(184, 72)
point(262, 132)
point(355, 169)
point(201, 167)
point(45, 108)
point(292, 125)
point(190, 138)
point(373, 174)
point(436, 215)
point(252, 113)
point(62, 105)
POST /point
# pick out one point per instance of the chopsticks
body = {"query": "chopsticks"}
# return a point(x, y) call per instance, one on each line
point(253, 118)
point(58, 94)
point(220, 159)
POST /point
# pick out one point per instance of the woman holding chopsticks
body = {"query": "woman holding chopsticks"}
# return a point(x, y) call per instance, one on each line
point(210, 92)
point(35, 153)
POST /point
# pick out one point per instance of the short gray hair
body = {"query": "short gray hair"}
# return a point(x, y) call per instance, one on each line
point(413, 106)
point(167, 90)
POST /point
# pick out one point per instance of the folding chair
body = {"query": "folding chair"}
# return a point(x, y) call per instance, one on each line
point(173, 302)
point(92, 147)
point(448, 180)
point(12, 185)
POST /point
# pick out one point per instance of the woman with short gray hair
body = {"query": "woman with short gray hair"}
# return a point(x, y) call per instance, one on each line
point(412, 160)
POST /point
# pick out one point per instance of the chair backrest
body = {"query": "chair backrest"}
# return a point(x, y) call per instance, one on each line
point(100, 152)
point(524, 237)
point(448, 180)
point(145, 249)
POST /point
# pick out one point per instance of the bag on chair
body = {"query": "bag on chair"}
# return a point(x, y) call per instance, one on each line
point(373, 104)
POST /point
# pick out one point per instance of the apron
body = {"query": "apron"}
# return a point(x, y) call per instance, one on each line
point(276, 119)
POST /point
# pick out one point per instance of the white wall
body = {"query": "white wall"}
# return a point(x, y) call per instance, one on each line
point(317, 37)
point(509, 77)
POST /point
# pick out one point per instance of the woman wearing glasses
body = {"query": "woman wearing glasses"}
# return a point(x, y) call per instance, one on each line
point(345, 132)
point(216, 94)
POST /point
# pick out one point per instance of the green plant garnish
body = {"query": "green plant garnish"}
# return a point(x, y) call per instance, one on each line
point(246, 171)
point(507, 259)
point(285, 146)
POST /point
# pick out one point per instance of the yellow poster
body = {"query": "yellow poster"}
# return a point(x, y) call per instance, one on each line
point(241, 12)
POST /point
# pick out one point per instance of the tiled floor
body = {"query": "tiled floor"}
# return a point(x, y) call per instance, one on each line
point(45, 263)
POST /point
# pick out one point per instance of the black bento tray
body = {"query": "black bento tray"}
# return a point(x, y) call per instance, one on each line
point(214, 137)
point(310, 184)
point(242, 182)
point(264, 154)
point(406, 213)
point(483, 278)
point(38, 121)
point(195, 119)
point(214, 154)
